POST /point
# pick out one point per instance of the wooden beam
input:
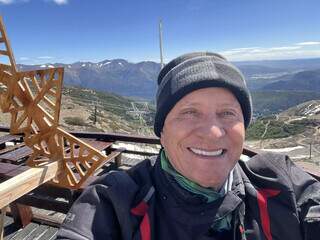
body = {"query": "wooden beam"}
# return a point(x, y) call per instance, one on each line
point(3, 52)
point(7, 44)
point(43, 203)
point(109, 137)
point(25, 182)
point(135, 152)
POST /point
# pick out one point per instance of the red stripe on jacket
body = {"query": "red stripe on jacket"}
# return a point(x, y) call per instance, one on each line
point(262, 197)
point(141, 210)
point(145, 228)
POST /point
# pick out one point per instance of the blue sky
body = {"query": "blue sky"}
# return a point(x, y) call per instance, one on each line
point(42, 31)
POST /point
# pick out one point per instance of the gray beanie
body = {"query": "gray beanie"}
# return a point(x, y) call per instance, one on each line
point(194, 71)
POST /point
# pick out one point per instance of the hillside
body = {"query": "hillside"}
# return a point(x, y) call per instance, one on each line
point(295, 132)
point(306, 109)
point(113, 113)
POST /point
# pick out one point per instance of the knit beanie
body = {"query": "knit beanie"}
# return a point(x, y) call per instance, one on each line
point(194, 71)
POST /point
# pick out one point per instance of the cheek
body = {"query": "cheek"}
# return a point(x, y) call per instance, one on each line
point(172, 140)
point(237, 132)
point(237, 137)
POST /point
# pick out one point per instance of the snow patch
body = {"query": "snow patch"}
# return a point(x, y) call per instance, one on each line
point(134, 147)
point(311, 109)
point(43, 66)
point(300, 156)
point(281, 150)
point(102, 64)
point(50, 66)
point(83, 65)
point(299, 118)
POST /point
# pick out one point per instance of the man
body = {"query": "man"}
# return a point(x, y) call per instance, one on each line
point(197, 188)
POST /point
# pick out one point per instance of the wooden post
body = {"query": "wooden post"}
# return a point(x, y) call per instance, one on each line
point(118, 158)
point(2, 216)
point(21, 214)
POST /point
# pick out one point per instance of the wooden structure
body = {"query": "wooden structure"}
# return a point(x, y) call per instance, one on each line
point(33, 99)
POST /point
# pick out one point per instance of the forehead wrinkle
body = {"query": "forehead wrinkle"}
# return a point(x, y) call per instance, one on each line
point(222, 102)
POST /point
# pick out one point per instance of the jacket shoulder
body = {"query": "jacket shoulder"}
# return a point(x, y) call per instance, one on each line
point(269, 168)
point(274, 161)
point(105, 204)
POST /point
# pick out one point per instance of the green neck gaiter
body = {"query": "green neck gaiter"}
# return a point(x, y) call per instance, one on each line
point(211, 195)
point(187, 184)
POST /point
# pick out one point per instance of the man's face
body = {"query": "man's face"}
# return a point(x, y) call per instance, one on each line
point(203, 135)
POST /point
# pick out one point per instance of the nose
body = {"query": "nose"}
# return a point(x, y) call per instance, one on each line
point(211, 128)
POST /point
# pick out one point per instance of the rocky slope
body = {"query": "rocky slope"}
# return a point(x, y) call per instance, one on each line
point(89, 110)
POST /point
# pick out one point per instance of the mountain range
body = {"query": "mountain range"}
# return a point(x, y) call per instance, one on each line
point(117, 76)
point(302, 81)
point(276, 85)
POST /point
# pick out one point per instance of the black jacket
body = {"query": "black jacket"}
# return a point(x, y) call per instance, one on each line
point(271, 198)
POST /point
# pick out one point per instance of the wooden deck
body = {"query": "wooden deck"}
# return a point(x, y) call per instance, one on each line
point(32, 231)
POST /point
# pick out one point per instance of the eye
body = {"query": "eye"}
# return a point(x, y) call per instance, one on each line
point(189, 113)
point(228, 113)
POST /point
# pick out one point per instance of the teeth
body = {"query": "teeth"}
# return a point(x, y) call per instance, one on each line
point(206, 153)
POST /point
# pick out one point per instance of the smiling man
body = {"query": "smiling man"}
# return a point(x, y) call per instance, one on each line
point(197, 187)
point(203, 136)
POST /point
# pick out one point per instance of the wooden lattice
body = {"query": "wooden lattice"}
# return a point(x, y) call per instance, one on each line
point(33, 98)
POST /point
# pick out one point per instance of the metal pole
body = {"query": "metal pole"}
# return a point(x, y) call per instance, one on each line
point(310, 151)
point(160, 40)
point(95, 114)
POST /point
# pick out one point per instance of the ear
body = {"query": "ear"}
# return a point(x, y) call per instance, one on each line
point(162, 138)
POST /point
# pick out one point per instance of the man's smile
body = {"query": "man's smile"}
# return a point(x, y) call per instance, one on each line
point(207, 153)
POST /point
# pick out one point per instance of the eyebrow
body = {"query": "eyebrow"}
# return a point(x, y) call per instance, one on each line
point(231, 105)
point(192, 104)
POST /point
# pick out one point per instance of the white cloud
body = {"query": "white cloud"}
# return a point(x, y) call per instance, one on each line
point(61, 2)
point(45, 57)
point(261, 53)
point(308, 43)
point(24, 58)
point(274, 49)
point(58, 2)
point(6, 1)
